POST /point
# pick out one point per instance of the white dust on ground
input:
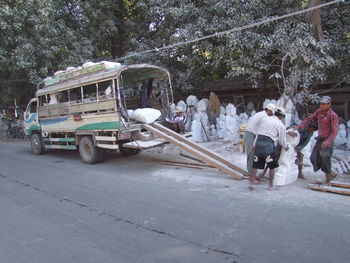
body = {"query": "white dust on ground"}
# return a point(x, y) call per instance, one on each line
point(224, 187)
point(210, 178)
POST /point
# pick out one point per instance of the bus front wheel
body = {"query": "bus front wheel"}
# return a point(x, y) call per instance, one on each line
point(37, 144)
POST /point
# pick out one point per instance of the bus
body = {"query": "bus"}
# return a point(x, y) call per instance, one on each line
point(90, 108)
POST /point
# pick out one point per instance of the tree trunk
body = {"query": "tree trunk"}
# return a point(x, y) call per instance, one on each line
point(117, 41)
point(315, 20)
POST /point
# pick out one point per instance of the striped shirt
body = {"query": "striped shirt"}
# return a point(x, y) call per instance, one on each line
point(255, 121)
point(327, 125)
point(273, 128)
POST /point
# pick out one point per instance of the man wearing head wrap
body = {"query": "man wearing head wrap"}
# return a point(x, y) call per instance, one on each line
point(251, 131)
point(271, 131)
point(327, 122)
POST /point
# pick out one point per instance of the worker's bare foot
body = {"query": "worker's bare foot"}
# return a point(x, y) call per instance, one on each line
point(254, 183)
point(301, 176)
point(260, 178)
point(332, 176)
point(261, 175)
point(272, 188)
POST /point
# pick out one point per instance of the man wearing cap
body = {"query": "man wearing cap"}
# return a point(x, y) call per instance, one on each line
point(271, 130)
point(251, 131)
point(327, 122)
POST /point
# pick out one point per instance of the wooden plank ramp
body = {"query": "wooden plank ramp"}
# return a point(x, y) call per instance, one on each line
point(200, 148)
point(194, 149)
point(329, 189)
point(340, 184)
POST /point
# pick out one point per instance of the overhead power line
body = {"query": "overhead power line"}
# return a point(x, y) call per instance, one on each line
point(272, 19)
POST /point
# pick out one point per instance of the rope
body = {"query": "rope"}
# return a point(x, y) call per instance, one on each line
point(236, 29)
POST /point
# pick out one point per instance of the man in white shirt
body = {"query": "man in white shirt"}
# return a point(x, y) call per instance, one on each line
point(271, 130)
point(252, 130)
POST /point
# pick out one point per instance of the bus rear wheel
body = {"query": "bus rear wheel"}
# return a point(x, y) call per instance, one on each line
point(88, 152)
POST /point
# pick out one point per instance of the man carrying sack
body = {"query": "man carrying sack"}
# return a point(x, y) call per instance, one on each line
point(254, 123)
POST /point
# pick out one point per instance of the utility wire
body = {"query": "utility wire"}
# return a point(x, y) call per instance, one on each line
point(231, 30)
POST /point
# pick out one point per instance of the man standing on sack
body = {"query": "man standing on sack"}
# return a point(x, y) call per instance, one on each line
point(251, 131)
point(327, 121)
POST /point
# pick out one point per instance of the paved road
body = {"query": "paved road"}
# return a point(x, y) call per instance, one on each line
point(56, 209)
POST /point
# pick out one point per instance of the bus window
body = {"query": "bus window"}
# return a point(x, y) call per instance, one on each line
point(52, 98)
point(75, 95)
point(89, 93)
point(33, 107)
point(62, 96)
point(43, 100)
point(105, 90)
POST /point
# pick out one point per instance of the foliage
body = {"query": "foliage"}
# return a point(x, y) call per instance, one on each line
point(285, 50)
point(110, 24)
point(40, 37)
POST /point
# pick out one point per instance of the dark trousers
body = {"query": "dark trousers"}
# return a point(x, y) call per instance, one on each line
point(321, 158)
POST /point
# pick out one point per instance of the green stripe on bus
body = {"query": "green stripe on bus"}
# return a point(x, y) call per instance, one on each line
point(59, 139)
point(33, 128)
point(66, 147)
point(100, 126)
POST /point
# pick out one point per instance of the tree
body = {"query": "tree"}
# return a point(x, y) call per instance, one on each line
point(110, 24)
point(315, 20)
point(284, 49)
point(40, 37)
point(37, 39)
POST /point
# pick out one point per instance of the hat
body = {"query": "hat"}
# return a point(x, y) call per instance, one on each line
point(271, 107)
point(281, 111)
point(325, 100)
point(178, 109)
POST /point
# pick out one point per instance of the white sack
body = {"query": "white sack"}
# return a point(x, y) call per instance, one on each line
point(196, 128)
point(131, 114)
point(191, 100)
point(181, 104)
point(222, 110)
point(172, 108)
point(287, 172)
point(221, 126)
point(110, 65)
point(202, 105)
point(231, 110)
point(146, 115)
point(88, 64)
point(340, 139)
